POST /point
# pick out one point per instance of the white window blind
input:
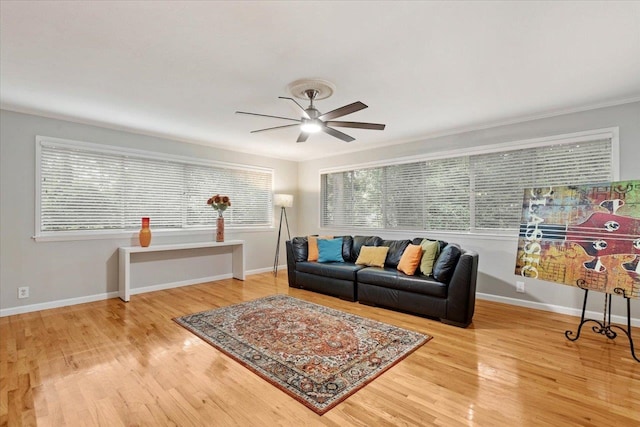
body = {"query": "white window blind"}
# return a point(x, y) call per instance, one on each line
point(250, 195)
point(353, 197)
point(85, 187)
point(499, 178)
point(403, 207)
point(447, 188)
point(480, 192)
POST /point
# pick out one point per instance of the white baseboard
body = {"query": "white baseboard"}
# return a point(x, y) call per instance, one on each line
point(622, 320)
point(107, 295)
point(190, 282)
point(56, 304)
point(98, 297)
point(163, 286)
point(267, 269)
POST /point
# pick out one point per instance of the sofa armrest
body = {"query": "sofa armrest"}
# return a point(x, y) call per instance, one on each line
point(291, 264)
point(461, 297)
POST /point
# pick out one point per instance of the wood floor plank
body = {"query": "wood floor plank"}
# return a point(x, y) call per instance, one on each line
point(114, 363)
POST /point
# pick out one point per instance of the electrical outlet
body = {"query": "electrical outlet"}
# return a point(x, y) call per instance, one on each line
point(520, 287)
point(23, 292)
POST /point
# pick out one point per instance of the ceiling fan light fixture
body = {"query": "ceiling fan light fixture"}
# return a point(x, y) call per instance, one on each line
point(312, 120)
point(310, 126)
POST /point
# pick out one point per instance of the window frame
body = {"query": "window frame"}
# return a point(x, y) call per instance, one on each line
point(47, 236)
point(611, 133)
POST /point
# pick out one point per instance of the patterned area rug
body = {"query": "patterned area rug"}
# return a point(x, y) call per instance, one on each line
point(318, 355)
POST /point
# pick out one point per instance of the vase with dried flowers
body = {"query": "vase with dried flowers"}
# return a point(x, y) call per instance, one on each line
point(220, 204)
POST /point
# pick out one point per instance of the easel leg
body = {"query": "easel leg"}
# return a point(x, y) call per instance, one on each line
point(568, 334)
point(605, 327)
point(628, 331)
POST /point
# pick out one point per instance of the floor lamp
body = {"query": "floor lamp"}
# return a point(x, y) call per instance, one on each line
point(284, 201)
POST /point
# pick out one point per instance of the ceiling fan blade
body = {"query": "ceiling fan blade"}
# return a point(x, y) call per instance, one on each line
point(277, 127)
point(303, 137)
point(337, 134)
point(359, 125)
point(343, 111)
point(266, 115)
point(302, 110)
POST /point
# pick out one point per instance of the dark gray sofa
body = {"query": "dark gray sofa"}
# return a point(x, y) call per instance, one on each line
point(450, 297)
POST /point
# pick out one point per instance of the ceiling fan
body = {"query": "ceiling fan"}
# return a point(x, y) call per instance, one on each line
point(312, 121)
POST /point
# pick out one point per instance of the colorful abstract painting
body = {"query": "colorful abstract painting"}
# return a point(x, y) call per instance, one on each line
point(586, 236)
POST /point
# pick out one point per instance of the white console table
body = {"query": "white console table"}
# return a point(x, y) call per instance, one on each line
point(124, 264)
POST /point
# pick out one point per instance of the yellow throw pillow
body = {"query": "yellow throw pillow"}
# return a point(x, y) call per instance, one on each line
point(313, 246)
point(410, 259)
point(430, 251)
point(372, 256)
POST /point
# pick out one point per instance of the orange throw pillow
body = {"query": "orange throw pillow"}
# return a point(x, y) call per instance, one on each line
point(313, 246)
point(410, 259)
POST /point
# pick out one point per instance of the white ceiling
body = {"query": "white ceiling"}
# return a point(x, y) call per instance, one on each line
point(180, 69)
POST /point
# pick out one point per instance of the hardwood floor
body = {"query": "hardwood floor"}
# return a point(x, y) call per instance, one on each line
point(124, 364)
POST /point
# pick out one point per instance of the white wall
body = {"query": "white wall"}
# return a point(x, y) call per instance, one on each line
point(88, 269)
point(496, 278)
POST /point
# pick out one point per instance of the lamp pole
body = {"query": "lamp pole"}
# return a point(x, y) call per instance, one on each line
point(284, 201)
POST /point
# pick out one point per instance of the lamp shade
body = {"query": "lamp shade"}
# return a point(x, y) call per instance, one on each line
point(284, 200)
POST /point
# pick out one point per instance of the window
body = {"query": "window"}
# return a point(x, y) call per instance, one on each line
point(463, 192)
point(89, 188)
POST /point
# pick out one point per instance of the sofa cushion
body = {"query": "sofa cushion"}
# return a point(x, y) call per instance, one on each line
point(410, 259)
point(446, 263)
point(300, 248)
point(393, 279)
point(396, 249)
point(336, 270)
point(330, 250)
point(372, 256)
point(347, 245)
point(430, 252)
point(313, 246)
point(360, 241)
point(419, 240)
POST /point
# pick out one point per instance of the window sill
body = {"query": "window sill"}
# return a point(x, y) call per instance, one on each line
point(63, 236)
point(504, 235)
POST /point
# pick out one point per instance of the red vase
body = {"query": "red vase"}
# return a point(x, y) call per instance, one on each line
point(220, 229)
point(145, 233)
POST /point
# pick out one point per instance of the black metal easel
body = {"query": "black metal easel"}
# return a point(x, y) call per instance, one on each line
point(605, 327)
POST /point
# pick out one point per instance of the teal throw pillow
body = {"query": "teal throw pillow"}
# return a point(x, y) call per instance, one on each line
point(330, 250)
